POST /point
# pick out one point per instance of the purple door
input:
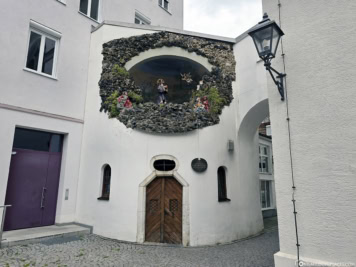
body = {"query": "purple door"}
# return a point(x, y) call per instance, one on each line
point(33, 180)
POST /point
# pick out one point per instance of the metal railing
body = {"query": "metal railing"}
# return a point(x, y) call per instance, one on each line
point(3, 220)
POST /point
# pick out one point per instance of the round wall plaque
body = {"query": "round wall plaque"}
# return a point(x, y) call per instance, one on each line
point(199, 165)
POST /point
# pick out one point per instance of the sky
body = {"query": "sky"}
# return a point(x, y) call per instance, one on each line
point(228, 18)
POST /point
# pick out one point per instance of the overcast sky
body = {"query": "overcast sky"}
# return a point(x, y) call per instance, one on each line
point(227, 18)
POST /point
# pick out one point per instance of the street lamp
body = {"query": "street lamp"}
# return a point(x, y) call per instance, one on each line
point(266, 35)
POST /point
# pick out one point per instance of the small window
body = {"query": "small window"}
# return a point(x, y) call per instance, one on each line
point(222, 191)
point(264, 163)
point(266, 194)
point(90, 8)
point(105, 194)
point(164, 4)
point(42, 52)
point(164, 165)
point(141, 19)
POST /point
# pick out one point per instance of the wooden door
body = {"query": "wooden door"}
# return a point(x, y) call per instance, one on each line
point(164, 211)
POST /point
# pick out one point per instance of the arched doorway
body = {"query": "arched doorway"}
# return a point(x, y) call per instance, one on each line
point(164, 211)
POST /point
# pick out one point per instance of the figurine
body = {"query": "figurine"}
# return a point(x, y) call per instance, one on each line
point(162, 90)
point(198, 107)
point(186, 77)
point(123, 101)
point(206, 103)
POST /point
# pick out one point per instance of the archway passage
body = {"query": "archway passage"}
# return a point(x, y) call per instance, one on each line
point(182, 76)
point(164, 211)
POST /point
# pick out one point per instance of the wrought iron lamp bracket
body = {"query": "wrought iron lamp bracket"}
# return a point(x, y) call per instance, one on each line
point(278, 80)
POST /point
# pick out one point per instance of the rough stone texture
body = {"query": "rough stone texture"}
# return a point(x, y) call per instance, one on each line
point(173, 118)
point(92, 250)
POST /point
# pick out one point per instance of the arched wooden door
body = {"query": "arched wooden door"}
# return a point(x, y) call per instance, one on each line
point(164, 211)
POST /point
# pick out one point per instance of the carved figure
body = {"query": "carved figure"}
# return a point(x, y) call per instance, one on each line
point(186, 77)
point(206, 103)
point(123, 101)
point(198, 107)
point(162, 90)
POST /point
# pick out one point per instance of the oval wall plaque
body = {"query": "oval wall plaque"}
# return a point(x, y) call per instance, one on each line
point(199, 165)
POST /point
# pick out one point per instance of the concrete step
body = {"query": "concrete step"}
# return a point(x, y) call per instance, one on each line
point(39, 234)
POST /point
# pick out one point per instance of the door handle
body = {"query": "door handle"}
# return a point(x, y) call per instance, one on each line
point(43, 197)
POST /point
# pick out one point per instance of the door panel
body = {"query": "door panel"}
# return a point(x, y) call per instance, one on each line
point(153, 210)
point(51, 192)
point(28, 172)
point(164, 211)
point(173, 212)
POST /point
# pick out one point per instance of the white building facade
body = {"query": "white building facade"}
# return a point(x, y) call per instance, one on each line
point(321, 77)
point(44, 76)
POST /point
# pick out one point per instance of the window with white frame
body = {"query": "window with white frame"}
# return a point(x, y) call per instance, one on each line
point(266, 194)
point(141, 19)
point(90, 8)
point(264, 163)
point(164, 4)
point(42, 49)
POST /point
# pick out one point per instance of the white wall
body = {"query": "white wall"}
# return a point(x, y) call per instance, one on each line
point(129, 152)
point(65, 95)
point(320, 64)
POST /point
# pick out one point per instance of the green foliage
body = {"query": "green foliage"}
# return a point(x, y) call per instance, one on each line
point(216, 102)
point(120, 71)
point(135, 98)
point(111, 102)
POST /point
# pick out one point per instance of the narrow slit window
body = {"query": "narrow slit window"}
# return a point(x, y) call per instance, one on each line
point(222, 190)
point(105, 195)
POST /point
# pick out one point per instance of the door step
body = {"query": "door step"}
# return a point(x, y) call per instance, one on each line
point(40, 234)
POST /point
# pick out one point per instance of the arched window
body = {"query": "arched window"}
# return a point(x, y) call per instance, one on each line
point(105, 194)
point(222, 191)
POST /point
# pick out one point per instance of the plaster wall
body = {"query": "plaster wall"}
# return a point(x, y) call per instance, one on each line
point(321, 78)
point(70, 156)
point(129, 153)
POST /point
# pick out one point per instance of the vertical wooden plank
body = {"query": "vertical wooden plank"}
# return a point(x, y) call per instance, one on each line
point(162, 210)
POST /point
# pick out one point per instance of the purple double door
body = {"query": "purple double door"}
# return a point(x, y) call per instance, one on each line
point(32, 187)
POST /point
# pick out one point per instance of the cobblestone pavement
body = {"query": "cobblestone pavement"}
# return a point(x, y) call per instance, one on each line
point(93, 250)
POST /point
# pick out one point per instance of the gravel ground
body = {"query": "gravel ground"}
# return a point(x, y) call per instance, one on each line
point(93, 250)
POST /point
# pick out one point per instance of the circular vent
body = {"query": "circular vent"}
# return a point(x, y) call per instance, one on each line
point(164, 165)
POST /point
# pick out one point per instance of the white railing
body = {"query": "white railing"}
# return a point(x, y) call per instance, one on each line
point(3, 220)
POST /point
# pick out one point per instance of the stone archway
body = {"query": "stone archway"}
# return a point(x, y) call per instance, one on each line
point(248, 154)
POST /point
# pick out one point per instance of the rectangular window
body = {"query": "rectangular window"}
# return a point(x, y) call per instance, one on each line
point(141, 19)
point(42, 50)
point(90, 8)
point(164, 4)
point(264, 161)
point(266, 194)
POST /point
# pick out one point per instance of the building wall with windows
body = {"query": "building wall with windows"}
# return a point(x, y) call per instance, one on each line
point(44, 65)
point(321, 77)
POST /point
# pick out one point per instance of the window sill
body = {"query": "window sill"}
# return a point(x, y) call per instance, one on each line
point(224, 200)
point(41, 74)
point(85, 15)
point(165, 10)
point(63, 3)
point(271, 208)
point(103, 198)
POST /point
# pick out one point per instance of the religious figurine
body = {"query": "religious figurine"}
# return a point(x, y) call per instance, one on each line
point(162, 90)
point(199, 85)
point(186, 77)
point(123, 101)
point(198, 107)
point(206, 103)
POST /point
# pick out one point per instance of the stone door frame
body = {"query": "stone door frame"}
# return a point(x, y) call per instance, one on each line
point(141, 211)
